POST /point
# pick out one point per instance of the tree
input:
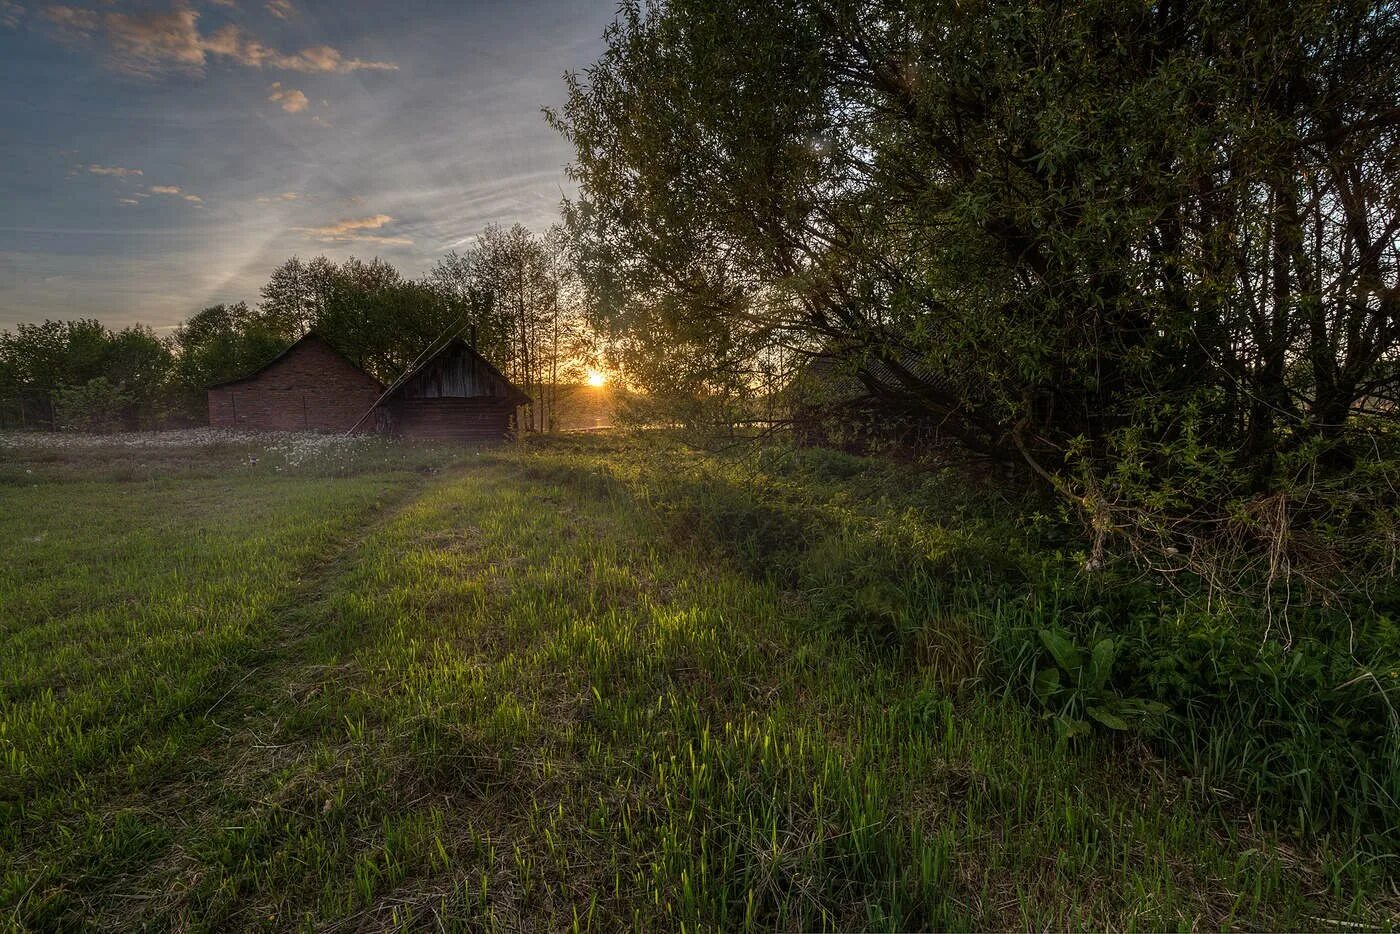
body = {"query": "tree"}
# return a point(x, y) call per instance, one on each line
point(141, 366)
point(223, 342)
point(55, 353)
point(296, 295)
point(97, 405)
point(41, 362)
point(515, 292)
point(1147, 251)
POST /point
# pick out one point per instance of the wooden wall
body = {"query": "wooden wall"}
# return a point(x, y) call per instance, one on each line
point(476, 420)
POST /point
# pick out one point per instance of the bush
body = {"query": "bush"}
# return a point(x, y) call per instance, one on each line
point(97, 405)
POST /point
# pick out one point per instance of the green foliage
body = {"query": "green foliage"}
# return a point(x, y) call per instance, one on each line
point(97, 405)
point(80, 373)
point(1145, 252)
point(1075, 688)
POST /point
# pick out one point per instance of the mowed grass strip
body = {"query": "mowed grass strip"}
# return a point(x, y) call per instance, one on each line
point(526, 700)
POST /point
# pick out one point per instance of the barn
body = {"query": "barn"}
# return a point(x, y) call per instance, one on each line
point(454, 395)
point(310, 386)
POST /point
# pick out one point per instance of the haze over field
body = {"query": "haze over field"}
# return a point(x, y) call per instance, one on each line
point(160, 157)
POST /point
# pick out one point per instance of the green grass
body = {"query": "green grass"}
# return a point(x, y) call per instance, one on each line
point(577, 683)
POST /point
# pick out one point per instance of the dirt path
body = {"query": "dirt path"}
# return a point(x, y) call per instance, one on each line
point(260, 735)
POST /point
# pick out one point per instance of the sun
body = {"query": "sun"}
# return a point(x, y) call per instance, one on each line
point(596, 378)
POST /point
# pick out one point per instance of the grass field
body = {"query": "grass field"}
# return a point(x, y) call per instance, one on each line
point(247, 685)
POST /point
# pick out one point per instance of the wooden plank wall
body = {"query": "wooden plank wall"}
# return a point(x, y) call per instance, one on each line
point(468, 420)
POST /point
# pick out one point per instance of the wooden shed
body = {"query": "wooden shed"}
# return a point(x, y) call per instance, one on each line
point(310, 386)
point(454, 395)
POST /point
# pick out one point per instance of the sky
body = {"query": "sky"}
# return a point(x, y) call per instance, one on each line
point(159, 156)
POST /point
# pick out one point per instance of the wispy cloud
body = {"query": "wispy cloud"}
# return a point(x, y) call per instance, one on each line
point(280, 196)
point(175, 190)
point(115, 170)
point(152, 42)
point(355, 229)
point(282, 9)
point(292, 100)
point(71, 19)
point(10, 14)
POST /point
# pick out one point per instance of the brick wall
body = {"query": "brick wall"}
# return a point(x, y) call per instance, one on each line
point(310, 388)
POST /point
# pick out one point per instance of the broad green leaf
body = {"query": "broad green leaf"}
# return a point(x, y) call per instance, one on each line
point(1065, 653)
point(1046, 684)
point(1101, 664)
point(1108, 718)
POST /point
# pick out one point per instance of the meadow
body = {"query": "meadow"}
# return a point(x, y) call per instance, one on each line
point(607, 682)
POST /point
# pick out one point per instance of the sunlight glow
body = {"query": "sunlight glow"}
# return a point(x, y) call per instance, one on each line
point(596, 378)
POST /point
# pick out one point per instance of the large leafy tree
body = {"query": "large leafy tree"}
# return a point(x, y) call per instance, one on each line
point(223, 342)
point(1146, 250)
point(367, 310)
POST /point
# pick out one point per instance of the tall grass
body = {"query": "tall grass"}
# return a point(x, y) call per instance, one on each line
point(935, 570)
point(593, 684)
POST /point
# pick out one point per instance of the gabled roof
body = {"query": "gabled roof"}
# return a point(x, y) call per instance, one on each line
point(310, 337)
point(512, 393)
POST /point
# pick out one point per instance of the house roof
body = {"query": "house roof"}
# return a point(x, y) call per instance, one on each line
point(310, 337)
point(457, 345)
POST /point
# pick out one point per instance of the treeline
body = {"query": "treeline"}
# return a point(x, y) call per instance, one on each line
point(513, 291)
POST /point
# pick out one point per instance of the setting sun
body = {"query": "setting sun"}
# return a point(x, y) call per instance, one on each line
point(596, 378)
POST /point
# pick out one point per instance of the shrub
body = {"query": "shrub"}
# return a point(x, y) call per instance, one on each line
point(97, 405)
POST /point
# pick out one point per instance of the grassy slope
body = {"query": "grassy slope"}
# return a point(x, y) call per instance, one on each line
point(511, 694)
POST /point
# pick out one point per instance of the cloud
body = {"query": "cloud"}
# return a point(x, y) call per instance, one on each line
point(321, 121)
point(127, 201)
point(118, 171)
point(152, 42)
point(292, 100)
point(10, 14)
point(71, 19)
point(149, 42)
point(175, 190)
point(352, 224)
point(353, 230)
point(232, 42)
point(282, 9)
point(283, 196)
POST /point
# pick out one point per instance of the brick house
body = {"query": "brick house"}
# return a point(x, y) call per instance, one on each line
point(310, 386)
